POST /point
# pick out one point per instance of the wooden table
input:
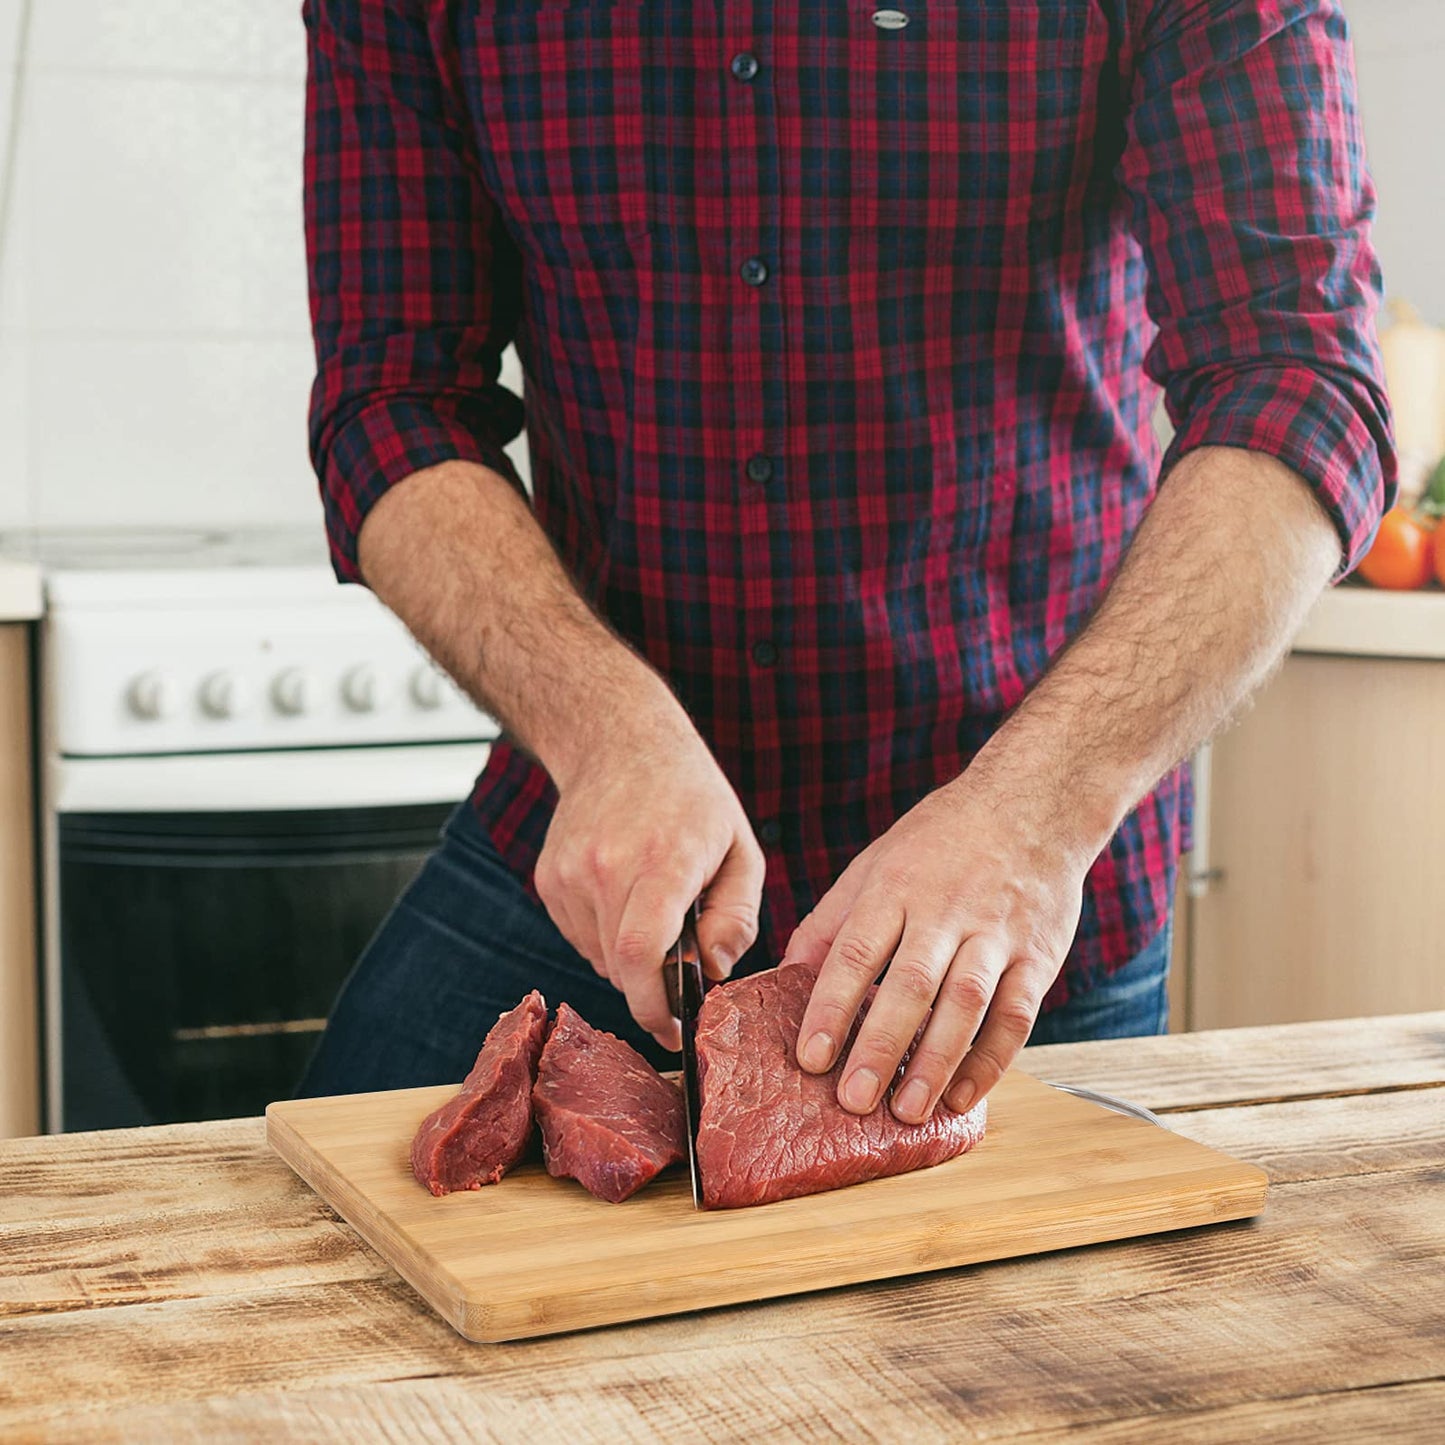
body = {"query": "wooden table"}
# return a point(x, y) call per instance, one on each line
point(180, 1284)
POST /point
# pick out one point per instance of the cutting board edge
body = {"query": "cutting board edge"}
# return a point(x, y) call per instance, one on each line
point(1241, 1193)
point(437, 1285)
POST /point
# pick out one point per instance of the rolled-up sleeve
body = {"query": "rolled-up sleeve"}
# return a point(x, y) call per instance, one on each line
point(1244, 165)
point(415, 287)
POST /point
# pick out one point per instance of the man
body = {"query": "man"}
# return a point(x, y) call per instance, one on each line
point(845, 599)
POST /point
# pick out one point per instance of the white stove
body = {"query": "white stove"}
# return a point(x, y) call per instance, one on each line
point(193, 642)
point(184, 645)
point(241, 762)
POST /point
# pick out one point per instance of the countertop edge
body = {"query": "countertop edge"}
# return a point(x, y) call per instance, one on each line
point(20, 591)
point(1361, 622)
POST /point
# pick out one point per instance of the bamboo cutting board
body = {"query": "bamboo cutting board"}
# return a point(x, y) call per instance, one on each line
point(535, 1255)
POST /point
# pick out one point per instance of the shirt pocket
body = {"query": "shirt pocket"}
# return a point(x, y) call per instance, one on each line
point(972, 125)
point(558, 92)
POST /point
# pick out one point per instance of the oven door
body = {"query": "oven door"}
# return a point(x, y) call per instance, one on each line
point(204, 911)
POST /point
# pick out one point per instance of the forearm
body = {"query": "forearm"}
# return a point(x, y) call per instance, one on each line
point(456, 553)
point(1228, 560)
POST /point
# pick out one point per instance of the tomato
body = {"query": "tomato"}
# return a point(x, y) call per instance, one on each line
point(1437, 551)
point(1401, 557)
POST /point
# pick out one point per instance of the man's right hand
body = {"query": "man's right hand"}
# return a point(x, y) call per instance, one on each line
point(646, 824)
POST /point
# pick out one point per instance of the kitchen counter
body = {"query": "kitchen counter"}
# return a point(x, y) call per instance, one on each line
point(181, 1283)
point(1357, 621)
point(20, 599)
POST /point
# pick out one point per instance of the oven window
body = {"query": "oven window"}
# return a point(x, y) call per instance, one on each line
point(200, 952)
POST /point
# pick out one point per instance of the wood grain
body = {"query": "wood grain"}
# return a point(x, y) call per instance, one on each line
point(1255, 1065)
point(533, 1255)
point(1322, 1319)
point(461, 1411)
point(1327, 1138)
point(1334, 1288)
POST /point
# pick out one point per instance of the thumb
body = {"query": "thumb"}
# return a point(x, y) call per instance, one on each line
point(728, 921)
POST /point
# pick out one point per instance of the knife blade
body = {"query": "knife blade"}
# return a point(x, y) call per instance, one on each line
point(686, 987)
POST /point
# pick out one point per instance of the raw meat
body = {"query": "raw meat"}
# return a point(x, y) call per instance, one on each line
point(768, 1131)
point(474, 1138)
point(609, 1120)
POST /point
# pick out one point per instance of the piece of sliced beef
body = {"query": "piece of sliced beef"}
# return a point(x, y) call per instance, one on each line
point(768, 1131)
point(609, 1120)
point(474, 1138)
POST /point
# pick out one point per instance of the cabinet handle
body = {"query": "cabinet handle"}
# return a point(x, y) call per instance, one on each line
point(1202, 871)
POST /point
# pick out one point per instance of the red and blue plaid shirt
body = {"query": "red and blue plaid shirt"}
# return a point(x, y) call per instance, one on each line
point(842, 330)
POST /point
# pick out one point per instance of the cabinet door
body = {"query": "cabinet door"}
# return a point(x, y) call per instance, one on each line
point(19, 1019)
point(1327, 840)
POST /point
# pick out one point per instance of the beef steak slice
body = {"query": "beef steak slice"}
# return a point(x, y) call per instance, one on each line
point(474, 1138)
point(768, 1131)
point(609, 1120)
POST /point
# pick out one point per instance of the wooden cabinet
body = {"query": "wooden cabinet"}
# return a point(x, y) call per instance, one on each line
point(1323, 846)
point(19, 1048)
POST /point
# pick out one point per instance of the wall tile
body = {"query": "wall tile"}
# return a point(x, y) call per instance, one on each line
point(152, 204)
point(192, 37)
point(170, 432)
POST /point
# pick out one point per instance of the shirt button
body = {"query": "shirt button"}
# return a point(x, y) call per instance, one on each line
point(760, 469)
point(765, 653)
point(745, 66)
point(754, 271)
point(770, 832)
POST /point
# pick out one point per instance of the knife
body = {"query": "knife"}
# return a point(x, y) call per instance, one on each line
point(685, 988)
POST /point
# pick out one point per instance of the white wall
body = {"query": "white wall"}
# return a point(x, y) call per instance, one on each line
point(154, 356)
point(1400, 54)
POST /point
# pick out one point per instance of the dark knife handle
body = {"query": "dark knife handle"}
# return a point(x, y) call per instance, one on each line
point(684, 961)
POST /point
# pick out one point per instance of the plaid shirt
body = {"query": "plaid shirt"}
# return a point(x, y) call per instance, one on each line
point(841, 339)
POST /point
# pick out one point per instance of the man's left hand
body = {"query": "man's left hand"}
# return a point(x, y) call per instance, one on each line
point(972, 911)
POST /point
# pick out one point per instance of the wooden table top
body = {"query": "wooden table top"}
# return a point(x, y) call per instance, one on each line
point(180, 1283)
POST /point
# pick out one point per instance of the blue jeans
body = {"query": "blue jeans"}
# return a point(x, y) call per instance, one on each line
point(465, 942)
point(1133, 1000)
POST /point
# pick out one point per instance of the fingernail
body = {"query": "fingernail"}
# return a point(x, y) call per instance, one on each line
point(961, 1099)
point(817, 1053)
point(910, 1103)
point(722, 962)
point(860, 1091)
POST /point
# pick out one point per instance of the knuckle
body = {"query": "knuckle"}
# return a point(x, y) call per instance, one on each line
point(1033, 962)
point(882, 1045)
point(986, 1065)
point(915, 979)
point(897, 876)
point(971, 992)
point(933, 1066)
point(599, 862)
point(1014, 1019)
point(544, 879)
point(633, 950)
point(856, 956)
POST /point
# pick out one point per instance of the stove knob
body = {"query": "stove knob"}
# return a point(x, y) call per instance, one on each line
point(362, 689)
point(291, 692)
point(428, 690)
point(153, 696)
point(223, 695)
